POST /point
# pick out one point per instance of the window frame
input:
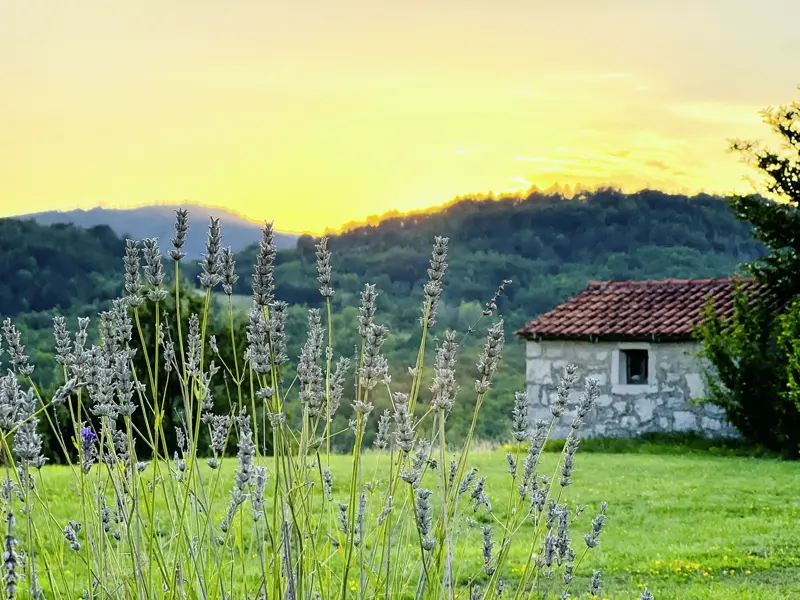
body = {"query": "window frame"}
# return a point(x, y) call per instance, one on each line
point(620, 386)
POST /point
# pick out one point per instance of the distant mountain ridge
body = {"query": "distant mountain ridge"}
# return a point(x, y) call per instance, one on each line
point(157, 221)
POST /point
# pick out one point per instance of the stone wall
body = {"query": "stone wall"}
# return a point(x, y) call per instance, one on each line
point(663, 404)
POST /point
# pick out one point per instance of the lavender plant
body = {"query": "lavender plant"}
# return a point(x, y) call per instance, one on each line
point(293, 524)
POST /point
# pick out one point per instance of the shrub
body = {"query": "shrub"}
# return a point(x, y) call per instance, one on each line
point(291, 525)
point(746, 371)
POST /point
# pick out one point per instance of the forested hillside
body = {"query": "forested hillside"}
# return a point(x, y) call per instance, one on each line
point(45, 267)
point(547, 245)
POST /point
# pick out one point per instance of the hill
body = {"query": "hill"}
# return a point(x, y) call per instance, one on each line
point(550, 246)
point(157, 221)
point(43, 267)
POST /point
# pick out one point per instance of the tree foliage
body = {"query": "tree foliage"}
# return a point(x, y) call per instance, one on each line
point(42, 267)
point(754, 355)
point(747, 370)
point(549, 246)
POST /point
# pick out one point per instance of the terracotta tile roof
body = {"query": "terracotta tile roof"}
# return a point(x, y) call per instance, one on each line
point(621, 310)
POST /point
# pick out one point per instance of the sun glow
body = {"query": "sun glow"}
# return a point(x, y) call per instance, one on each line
point(314, 121)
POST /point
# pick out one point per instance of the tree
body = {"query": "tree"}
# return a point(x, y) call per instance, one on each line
point(753, 356)
point(776, 223)
point(747, 368)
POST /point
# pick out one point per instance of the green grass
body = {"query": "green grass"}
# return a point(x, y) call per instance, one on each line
point(674, 443)
point(690, 527)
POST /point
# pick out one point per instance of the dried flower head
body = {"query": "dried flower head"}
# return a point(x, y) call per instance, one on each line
point(181, 229)
point(424, 515)
point(154, 269)
point(228, 271)
point(519, 415)
point(133, 279)
point(596, 583)
point(375, 368)
point(309, 371)
point(403, 423)
point(11, 560)
point(488, 544)
point(88, 448)
point(16, 350)
point(564, 390)
point(384, 424)
point(324, 268)
point(433, 288)
point(264, 274)
point(210, 266)
point(366, 309)
point(490, 357)
point(444, 386)
point(337, 384)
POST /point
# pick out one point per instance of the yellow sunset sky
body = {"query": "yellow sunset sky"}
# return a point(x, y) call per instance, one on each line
point(313, 114)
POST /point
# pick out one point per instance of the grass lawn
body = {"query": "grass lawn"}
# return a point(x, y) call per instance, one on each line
point(690, 527)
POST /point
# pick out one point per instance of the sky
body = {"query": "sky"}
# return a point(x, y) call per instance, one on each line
point(313, 114)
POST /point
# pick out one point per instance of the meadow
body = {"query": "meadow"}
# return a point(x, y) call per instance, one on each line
point(203, 463)
point(690, 527)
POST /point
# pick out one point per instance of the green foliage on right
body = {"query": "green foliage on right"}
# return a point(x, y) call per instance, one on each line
point(548, 245)
point(748, 370)
point(753, 356)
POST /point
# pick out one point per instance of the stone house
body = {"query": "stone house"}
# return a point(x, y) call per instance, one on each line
point(636, 338)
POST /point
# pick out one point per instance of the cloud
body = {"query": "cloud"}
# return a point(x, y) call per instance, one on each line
point(658, 165)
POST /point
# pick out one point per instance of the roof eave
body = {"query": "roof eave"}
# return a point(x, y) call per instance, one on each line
point(533, 336)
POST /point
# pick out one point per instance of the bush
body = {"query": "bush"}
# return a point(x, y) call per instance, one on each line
point(789, 342)
point(290, 526)
point(746, 371)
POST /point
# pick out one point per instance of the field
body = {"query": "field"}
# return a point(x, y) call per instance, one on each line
point(690, 527)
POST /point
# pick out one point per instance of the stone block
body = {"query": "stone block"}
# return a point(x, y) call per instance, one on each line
point(534, 394)
point(621, 407)
point(685, 421)
point(675, 402)
point(694, 381)
point(708, 424)
point(534, 349)
point(538, 370)
point(604, 400)
point(584, 356)
point(644, 408)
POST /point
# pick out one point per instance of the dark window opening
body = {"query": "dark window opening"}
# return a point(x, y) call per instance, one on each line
point(635, 363)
